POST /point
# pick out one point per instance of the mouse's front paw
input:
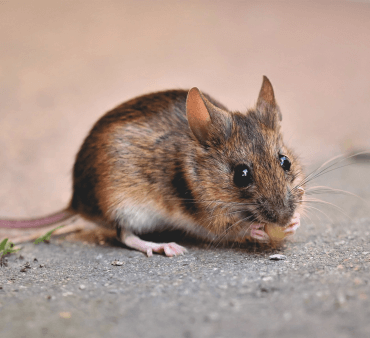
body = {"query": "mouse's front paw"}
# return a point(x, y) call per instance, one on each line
point(277, 233)
point(257, 233)
point(294, 225)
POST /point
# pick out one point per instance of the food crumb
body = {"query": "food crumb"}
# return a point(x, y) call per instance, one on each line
point(277, 257)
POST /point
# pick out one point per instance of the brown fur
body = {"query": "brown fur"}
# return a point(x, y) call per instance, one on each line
point(142, 161)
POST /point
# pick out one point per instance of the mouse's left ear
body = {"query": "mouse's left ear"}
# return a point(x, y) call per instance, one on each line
point(206, 121)
point(266, 103)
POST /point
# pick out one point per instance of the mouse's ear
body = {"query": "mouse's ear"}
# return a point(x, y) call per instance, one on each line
point(207, 121)
point(266, 103)
point(198, 115)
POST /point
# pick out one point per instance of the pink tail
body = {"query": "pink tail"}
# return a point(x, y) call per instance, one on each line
point(37, 222)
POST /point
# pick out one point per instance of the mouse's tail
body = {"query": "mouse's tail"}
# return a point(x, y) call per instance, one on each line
point(38, 222)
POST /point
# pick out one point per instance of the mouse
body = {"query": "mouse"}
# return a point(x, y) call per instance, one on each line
point(179, 159)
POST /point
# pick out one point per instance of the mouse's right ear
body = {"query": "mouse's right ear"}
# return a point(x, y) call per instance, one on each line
point(198, 115)
point(266, 104)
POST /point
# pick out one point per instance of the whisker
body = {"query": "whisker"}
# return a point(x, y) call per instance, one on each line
point(311, 207)
point(323, 172)
point(327, 190)
point(308, 209)
point(220, 214)
point(315, 171)
point(314, 174)
point(224, 233)
point(328, 203)
point(315, 200)
point(304, 214)
point(313, 214)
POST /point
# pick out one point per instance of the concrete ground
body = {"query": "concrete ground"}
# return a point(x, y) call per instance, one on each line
point(70, 288)
point(62, 65)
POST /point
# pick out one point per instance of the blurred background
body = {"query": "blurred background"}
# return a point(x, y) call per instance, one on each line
point(63, 64)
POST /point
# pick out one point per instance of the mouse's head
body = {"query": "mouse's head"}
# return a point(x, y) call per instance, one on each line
point(244, 173)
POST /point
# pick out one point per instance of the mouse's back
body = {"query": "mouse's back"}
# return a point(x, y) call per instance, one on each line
point(129, 149)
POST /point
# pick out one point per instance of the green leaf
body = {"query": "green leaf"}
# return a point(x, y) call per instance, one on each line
point(47, 236)
point(3, 244)
point(10, 251)
point(7, 247)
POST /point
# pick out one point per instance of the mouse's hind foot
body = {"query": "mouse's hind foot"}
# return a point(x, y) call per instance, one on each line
point(134, 242)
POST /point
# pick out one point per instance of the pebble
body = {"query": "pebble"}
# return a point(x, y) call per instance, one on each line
point(117, 263)
point(277, 257)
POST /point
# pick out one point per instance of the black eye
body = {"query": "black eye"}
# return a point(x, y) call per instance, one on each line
point(242, 176)
point(284, 162)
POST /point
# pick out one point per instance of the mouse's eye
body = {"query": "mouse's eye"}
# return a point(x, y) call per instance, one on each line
point(242, 176)
point(284, 162)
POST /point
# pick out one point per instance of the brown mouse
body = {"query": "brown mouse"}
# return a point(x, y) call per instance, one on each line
point(179, 159)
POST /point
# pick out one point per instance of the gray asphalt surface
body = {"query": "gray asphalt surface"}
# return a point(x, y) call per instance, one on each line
point(321, 289)
point(63, 64)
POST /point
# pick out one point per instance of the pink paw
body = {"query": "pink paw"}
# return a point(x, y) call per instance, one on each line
point(170, 249)
point(260, 236)
point(134, 242)
point(294, 225)
point(258, 233)
point(265, 234)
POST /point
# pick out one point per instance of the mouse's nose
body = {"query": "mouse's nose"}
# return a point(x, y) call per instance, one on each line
point(278, 211)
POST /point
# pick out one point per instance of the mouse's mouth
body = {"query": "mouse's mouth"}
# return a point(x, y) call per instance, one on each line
point(268, 232)
point(276, 232)
point(273, 232)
